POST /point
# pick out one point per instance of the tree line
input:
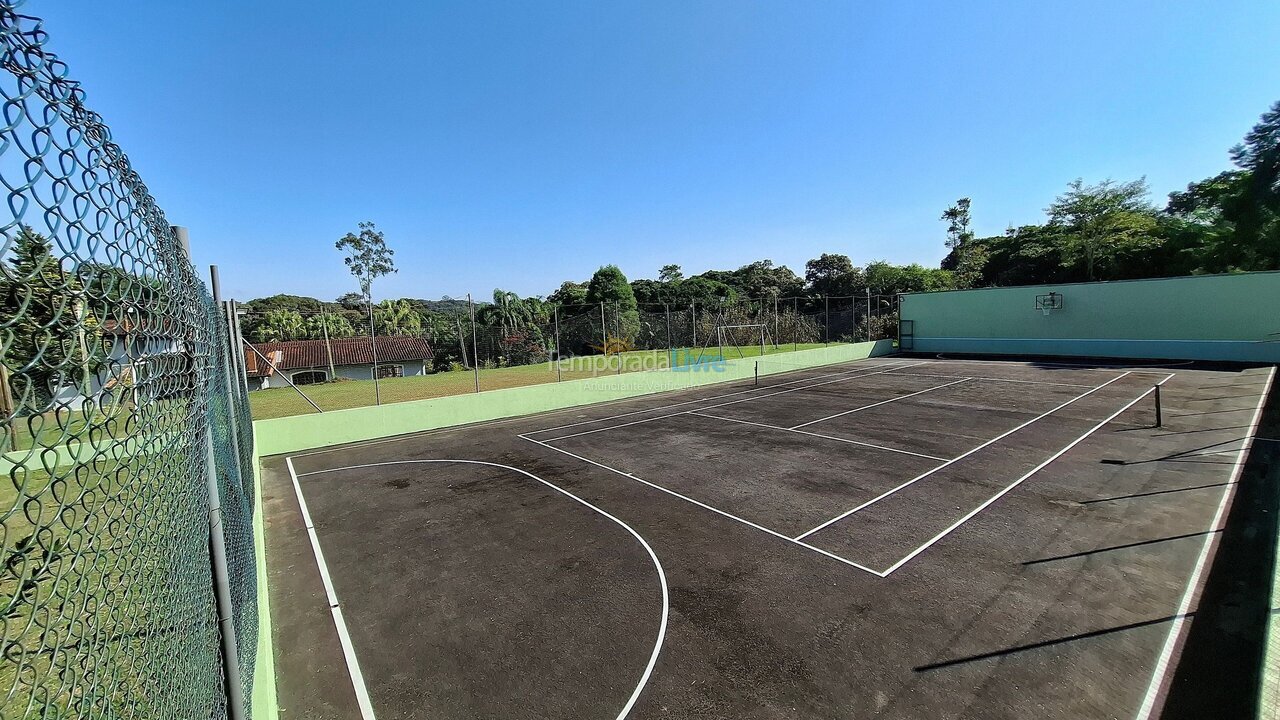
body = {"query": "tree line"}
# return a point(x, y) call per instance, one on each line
point(1109, 230)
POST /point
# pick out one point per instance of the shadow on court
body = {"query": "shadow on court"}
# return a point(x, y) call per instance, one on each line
point(1220, 670)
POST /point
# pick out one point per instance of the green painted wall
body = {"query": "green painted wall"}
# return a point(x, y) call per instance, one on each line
point(1206, 317)
point(304, 432)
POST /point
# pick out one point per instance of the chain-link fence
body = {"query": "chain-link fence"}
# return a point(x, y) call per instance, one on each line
point(323, 359)
point(118, 413)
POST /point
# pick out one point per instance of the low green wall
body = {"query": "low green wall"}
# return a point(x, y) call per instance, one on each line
point(305, 432)
point(1203, 317)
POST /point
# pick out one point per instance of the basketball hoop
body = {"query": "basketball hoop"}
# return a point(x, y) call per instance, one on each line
point(1049, 302)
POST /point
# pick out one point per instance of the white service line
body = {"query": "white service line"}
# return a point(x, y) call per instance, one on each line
point(969, 515)
point(344, 637)
point(705, 506)
point(998, 379)
point(955, 459)
point(662, 577)
point(814, 434)
point(877, 404)
point(842, 378)
point(1193, 583)
point(713, 397)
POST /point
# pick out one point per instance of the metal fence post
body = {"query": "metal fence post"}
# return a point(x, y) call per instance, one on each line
point(555, 309)
point(868, 314)
point(795, 323)
point(826, 320)
point(666, 309)
point(475, 349)
point(224, 607)
point(373, 341)
point(1159, 409)
point(222, 584)
point(693, 317)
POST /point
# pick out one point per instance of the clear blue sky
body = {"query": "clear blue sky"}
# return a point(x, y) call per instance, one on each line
point(520, 144)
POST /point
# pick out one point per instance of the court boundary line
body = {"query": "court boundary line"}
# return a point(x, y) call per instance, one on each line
point(714, 397)
point(657, 564)
point(814, 434)
point(1097, 367)
point(1011, 486)
point(1004, 380)
point(955, 459)
point(842, 378)
point(1159, 674)
point(878, 404)
point(335, 609)
point(587, 406)
point(705, 506)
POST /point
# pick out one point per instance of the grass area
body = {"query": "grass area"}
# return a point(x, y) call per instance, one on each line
point(344, 394)
point(103, 589)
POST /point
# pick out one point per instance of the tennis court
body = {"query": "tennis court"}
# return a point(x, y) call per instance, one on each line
point(898, 537)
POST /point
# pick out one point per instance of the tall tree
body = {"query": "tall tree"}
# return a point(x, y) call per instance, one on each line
point(609, 286)
point(367, 257)
point(51, 339)
point(966, 257)
point(670, 274)
point(833, 275)
point(1103, 224)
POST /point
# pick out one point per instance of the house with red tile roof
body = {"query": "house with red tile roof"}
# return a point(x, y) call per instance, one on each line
point(305, 362)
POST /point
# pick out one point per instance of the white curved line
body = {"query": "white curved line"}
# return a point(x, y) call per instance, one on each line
point(662, 576)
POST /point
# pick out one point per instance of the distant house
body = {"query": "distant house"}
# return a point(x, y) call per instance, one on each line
point(305, 362)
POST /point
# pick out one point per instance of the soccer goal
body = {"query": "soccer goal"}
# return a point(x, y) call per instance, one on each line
point(737, 337)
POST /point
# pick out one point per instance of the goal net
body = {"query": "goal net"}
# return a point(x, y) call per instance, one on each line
point(740, 340)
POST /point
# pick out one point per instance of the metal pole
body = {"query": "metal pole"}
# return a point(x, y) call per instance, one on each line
point(776, 322)
point(795, 322)
point(666, 309)
point(328, 347)
point(226, 368)
point(282, 376)
point(373, 339)
point(757, 372)
point(868, 314)
point(604, 330)
point(238, 342)
point(475, 351)
point(222, 585)
point(555, 309)
point(693, 312)
point(1159, 409)
point(617, 322)
point(826, 320)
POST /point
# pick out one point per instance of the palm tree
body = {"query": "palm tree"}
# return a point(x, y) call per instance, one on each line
point(397, 318)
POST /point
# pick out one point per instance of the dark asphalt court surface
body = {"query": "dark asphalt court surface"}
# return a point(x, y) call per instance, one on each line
point(898, 537)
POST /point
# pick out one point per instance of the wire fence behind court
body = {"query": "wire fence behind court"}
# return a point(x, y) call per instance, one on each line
point(114, 378)
point(326, 353)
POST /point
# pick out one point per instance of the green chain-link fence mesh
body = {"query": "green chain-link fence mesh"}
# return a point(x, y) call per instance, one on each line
point(114, 368)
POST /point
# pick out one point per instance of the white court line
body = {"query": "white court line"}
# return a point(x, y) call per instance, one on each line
point(705, 506)
point(843, 378)
point(969, 515)
point(1184, 607)
point(877, 404)
point(344, 637)
point(996, 379)
point(715, 397)
point(813, 434)
point(955, 459)
point(1097, 367)
point(662, 577)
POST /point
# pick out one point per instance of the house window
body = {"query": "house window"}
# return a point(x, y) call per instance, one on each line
point(309, 377)
point(390, 371)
